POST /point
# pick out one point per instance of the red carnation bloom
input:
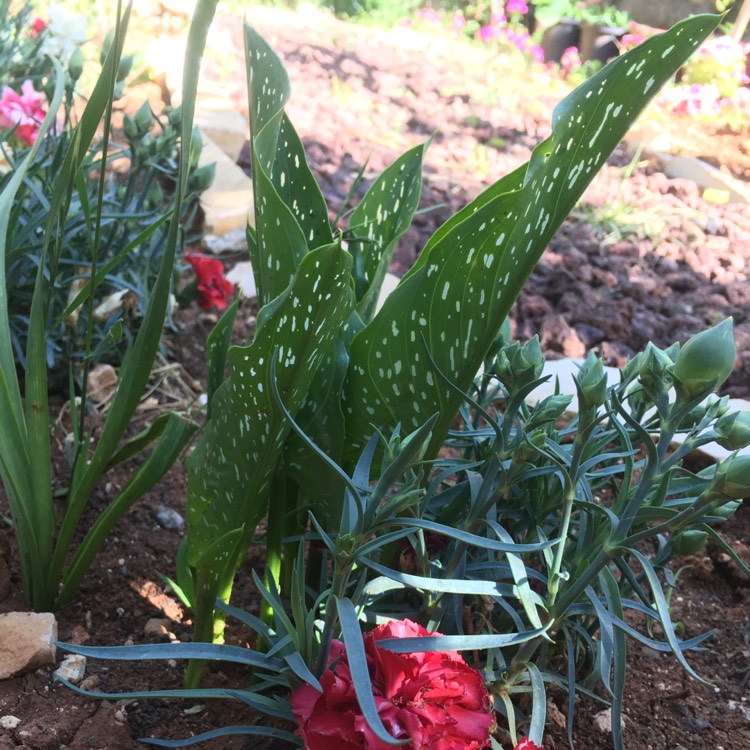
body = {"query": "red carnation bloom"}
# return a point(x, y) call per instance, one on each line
point(37, 26)
point(527, 744)
point(434, 699)
point(214, 289)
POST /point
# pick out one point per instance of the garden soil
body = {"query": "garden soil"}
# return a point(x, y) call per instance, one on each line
point(644, 258)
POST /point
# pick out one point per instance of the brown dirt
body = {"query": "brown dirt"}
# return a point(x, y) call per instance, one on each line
point(360, 93)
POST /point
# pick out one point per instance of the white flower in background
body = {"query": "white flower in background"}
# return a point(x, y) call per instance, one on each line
point(65, 33)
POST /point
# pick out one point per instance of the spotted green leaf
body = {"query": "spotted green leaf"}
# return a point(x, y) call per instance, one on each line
point(383, 215)
point(463, 287)
point(230, 471)
point(290, 213)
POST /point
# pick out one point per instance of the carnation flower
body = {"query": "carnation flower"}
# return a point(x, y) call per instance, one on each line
point(434, 699)
point(526, 744)
point(37, 26)
point(214, 290)
point(66, 32)
point(23, 113)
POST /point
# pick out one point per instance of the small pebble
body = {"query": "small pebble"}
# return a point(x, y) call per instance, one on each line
point(72, 669)
point(697, 724)
point(168, 519)
point(91, 682)
point(9, 722)
point(157, 626)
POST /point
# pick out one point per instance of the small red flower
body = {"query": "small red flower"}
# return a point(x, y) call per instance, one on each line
point(37, 26)
point(527, 744)
point(214, 289)
point(435, 699)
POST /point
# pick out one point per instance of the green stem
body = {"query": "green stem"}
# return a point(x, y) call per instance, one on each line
point(339, 585)
point(582, 436)
point(277, 509)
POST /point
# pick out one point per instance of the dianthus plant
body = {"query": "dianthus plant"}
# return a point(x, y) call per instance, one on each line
point(535, 546)
point(340, 367)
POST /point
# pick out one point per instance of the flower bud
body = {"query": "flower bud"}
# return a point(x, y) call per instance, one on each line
point(174, 117)
point(655, 372)
point(527, 450)
point(688, 541)
point(732, 478)
point(705, 361)
point(733, 430)
point(75, 64)
point(549, 409)
point(129, 127)
point(517, 366)
point(202, 178)
point(143, 118)
point(629, 371)
point(591, 383)
point(727, 510)
point(123, 69)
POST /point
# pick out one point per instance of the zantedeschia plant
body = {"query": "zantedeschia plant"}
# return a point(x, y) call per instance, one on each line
point(340, 368)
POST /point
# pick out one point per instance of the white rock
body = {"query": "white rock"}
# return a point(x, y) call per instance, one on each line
point(242, 276)
point(168, 518)
point(231, 242)
point(226, 127)
point(26, 642)
point(228, 203)
point(9, 722)
point(72, 669)
point(603, 721)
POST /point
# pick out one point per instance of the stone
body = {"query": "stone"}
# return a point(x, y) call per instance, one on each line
point(223, 124)
point(157, 626)
point(696, 724)
point(102, 383)
point(556, 335)
point(228, 203)
point(168, 519)
point(603, 721)
point(242, 276)
point(72, 669)
point(91, 682)
point(26, 642)
point(9, 722)
point(234, 241)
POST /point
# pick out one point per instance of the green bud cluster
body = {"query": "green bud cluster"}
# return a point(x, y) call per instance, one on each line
point(517, 366)
point(591, 383)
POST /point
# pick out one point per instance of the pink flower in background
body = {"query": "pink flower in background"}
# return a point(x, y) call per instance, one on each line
point(428, 15)
point(458, 22)
point(535, 52)
point(434, 699)
point(516, 6)
point(527, 744)
point(23, 113)
point(489, 32)
point(570, 59)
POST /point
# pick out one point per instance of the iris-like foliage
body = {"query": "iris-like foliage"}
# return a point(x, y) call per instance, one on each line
point(52, 566)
